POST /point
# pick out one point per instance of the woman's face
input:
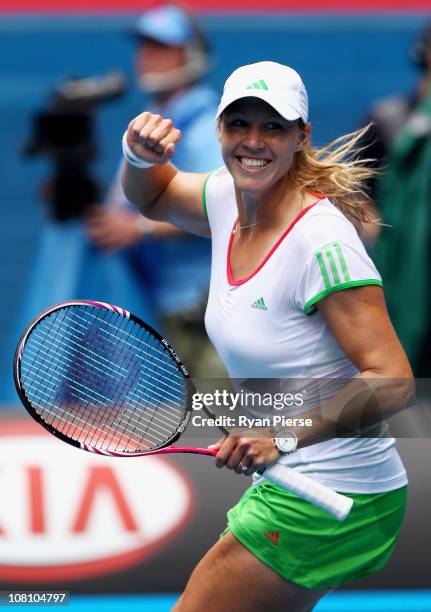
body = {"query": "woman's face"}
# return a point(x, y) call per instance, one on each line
point(258, 145)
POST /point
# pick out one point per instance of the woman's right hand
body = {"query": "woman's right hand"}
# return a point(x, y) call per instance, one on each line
point(152, 138)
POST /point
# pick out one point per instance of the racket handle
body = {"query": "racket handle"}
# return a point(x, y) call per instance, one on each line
point(310, 490)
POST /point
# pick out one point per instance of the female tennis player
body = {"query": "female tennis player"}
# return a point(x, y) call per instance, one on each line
point(293, 295)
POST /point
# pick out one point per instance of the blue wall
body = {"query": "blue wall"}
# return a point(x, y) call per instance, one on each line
point(346, 62)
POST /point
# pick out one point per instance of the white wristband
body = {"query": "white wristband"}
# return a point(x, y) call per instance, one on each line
point(131, 158)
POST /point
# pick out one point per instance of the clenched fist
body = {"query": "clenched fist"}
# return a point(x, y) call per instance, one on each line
point(152, 138)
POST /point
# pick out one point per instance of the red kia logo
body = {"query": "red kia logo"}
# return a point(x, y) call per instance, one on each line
point(67, 514)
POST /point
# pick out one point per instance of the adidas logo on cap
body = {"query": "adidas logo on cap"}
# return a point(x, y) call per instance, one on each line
point(258, 85)
point(279, 86)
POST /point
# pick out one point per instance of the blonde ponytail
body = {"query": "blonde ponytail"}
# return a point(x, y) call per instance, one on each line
point(336, 172)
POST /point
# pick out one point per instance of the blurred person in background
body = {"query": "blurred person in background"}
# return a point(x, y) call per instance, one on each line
point(65, 265)
point(400, 142)
point(389, 115)
point(172, 56)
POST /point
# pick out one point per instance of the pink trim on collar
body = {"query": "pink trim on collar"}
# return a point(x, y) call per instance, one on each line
point(241, 281)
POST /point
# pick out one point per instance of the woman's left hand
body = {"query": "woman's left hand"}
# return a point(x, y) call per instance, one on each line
point(236, 451)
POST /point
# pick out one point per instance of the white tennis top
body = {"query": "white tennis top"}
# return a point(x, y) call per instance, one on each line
point(267, 326)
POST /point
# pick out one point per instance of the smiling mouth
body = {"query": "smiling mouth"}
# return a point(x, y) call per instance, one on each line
point(251, 163)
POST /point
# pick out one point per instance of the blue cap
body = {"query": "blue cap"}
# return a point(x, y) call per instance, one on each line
point(167, 24)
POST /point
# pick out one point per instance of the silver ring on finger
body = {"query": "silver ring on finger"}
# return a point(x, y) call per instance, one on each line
point(244, 468)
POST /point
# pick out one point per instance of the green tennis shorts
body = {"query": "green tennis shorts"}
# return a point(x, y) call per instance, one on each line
point(306, 545)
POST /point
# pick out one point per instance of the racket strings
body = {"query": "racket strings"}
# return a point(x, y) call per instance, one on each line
point(82, 347)
point(84, 374)
point(82, 426)
point(39, 353)
point(166, 414)
point(132, 427)
point(155, 352)
point(103, 380)
point(158, 424)
point(97, 344)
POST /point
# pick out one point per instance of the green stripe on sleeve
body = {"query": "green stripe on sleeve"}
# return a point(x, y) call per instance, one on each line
point(332, 264)
point(310, 306)
point(204, 195)
point(323, 269)
point(342, 261)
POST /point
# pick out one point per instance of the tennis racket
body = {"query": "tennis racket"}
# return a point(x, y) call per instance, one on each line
point(100, 379)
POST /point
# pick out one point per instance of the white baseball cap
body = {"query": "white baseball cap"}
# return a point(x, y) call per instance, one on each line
point(276, 84)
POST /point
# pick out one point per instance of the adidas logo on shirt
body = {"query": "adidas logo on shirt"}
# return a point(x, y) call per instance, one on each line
point(272, 536)
point(258, 85)
point(260, 304)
